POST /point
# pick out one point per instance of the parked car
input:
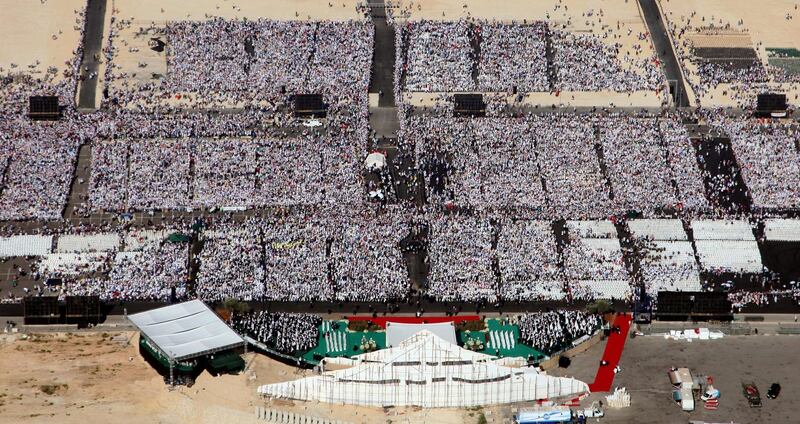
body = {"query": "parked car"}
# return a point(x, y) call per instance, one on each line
point(752, 394)
point(710, 394)
point(774, 391)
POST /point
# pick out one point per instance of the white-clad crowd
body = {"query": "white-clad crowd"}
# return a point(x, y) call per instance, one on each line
point(441, 56)
point(550, 332)
point(296, 263)
point(460, 255)
point(156, 174)
point(157, 272)
point(769, 159)
point(367, 262)
point(513, 55)
point(587, 260)
point(438, 56)
point(231, 265)
point(38, 160)
point(549, 165)
point(285, 332)
point(585, 62)
point(528, 261)
point(220, 62)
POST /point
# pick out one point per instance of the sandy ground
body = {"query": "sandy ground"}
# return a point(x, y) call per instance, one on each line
point(94, 378)
point(33, 31)
point(159, 11)
point(767, 28)
point(643, 99)
point(613, 10)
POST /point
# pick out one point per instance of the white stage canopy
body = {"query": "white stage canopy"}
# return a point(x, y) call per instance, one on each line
point(429, 372)
point(186, 330)
point(397, 332)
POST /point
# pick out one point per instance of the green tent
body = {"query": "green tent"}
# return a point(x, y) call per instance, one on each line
point(226, 362)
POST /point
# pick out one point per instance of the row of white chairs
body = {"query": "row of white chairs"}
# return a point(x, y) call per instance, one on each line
point(592, 229)
point(284, 417)
point(706, 229)
point(26, 245)
point(502, 340)
point(336, 341)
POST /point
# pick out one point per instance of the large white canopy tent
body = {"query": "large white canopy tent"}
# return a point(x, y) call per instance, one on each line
point(185, 330)
point(426, 371)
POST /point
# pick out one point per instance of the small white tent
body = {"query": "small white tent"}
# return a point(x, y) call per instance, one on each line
point(375, 161)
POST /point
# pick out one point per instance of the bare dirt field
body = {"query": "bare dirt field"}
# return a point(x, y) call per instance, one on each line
point(37, 35)
point(90, 377)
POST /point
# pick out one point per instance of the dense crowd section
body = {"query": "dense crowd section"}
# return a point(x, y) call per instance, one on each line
point(513, 55)
point(550, 332)
point(461, 260)
point(155, 174)
point(529, 262)
point(770, 161)
point(38, 160)
point(296, 267)
point(283, 332)
point(442, 57)
point(368, 265)
point(550, 165)
point(585, 62)
point(156, 271)
point(439, 57)
point(222, 62)
point(230, 265)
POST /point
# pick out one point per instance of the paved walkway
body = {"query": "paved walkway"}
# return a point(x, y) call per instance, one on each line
point(663, 48)
point(92, 54)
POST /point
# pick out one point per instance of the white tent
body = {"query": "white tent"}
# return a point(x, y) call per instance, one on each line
point(396, 332)
point(375, 161)
point(426, 371)
point(186, 330)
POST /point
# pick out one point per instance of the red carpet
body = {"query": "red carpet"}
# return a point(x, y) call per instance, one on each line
point(614, 345)
point(415, 320)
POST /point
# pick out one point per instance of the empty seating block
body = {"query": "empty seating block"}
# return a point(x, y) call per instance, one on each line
point(782, 229)
point(102, 242)
point(722, 230)
point(592, 229)
point(25, 246)
point(729, 255)
point(658, 229)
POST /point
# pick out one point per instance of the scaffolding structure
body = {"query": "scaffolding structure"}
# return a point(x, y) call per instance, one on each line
point(426, 371)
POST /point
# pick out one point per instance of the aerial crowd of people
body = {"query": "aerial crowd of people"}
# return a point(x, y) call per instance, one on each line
point(517, 57)
point(552, 331)
point(284, 332)
point(492, 186)
point(235, 63)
